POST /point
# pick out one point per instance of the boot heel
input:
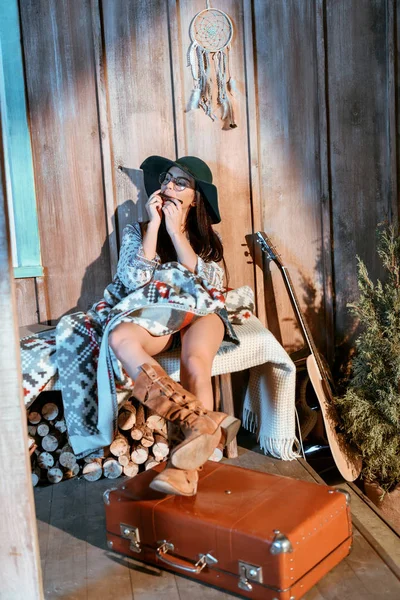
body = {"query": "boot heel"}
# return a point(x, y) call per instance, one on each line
point(229, 427)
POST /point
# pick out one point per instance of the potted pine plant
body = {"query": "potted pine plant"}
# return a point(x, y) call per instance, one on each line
point(370, 405)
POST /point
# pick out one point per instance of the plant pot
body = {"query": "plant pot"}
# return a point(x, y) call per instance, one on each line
point(390, 505)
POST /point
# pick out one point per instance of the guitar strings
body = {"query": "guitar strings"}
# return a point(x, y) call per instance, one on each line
point(300, 438)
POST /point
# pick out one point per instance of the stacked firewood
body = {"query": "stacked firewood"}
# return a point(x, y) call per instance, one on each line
point(143, 440)
point(141, 443)
point(52, 458)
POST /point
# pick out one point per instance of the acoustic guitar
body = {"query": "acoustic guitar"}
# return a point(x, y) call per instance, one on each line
point(345, 457)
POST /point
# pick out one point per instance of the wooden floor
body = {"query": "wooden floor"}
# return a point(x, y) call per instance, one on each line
point(77, 565)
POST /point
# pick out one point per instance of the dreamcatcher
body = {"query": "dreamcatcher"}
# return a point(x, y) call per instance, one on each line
point(211, 34)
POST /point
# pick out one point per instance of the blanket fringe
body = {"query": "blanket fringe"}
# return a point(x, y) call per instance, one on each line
point(283, 449)
point(250, 420)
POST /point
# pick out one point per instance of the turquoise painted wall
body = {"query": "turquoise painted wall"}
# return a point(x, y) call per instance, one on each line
point(18, 144)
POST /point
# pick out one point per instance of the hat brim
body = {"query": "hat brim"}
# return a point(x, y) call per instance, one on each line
point(155, 165)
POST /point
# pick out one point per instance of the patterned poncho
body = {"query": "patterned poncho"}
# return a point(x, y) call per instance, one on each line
point(162, 298)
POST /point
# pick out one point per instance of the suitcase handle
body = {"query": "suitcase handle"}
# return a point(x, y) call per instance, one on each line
point(179, 563)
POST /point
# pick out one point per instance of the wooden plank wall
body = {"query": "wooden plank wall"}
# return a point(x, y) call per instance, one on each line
point(287, 82)
point(362, 142)
point(139, 94)
point(61, 88)
point(313, 161)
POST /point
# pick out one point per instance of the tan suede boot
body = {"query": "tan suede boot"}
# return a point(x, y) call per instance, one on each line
point(195, 450)
point(203, 430)
point(179, 482)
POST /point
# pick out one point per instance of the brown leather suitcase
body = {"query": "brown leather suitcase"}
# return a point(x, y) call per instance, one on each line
point(257, 535)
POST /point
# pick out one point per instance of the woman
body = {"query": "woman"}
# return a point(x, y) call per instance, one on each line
point(182, 207)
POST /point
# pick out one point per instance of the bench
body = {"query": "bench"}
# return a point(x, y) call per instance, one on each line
point(229, 359)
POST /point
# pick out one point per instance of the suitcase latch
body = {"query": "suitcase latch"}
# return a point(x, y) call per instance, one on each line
point(248, 573)
point(132, 534)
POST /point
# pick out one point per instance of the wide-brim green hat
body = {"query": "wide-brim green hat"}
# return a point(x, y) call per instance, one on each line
point(193, 166)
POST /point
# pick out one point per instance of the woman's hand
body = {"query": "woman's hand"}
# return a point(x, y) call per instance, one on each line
point(173, 212)
point(154, 207)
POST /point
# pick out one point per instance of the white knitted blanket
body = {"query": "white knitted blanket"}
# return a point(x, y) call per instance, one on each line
point(268, 408)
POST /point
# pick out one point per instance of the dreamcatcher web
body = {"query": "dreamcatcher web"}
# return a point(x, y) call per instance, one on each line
point(212, 30)
point(211, 34)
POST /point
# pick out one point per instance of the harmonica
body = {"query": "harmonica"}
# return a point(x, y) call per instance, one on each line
point(168, 198)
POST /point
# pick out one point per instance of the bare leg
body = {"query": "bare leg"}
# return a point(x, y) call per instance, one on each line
point(200, 343)
point(133, 345)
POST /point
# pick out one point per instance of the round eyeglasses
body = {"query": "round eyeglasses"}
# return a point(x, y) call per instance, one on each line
point(180, 183)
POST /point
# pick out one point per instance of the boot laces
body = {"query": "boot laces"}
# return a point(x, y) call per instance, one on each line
point(190, 405)
point(198, 411)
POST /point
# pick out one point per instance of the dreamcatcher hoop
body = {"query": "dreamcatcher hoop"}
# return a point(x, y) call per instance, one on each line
point(194, 36)
point(211, 32)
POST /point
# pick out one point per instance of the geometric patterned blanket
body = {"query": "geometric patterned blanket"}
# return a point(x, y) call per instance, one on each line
point(91, 379)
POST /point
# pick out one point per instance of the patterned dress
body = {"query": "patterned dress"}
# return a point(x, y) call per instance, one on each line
point(134, 271)
point(162, 298)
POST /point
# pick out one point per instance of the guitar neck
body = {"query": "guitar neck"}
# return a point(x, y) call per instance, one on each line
point(270, 251)
point(303, 325)
point(296, 307)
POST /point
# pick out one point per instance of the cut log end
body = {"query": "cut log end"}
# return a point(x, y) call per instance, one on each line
point(127, 417)
point(67, 460)
point(34, 417)
point(43, 429)
point(111, 468)
point(150, 463)
point(119, 446)
point(55, 475)
point(156, 423)
point(73, 472)
point(131, 469)
point(92, 471)
point(50, 443)
point(45, 460)
point(139, 455)
point(50, 411)
point(148, 437)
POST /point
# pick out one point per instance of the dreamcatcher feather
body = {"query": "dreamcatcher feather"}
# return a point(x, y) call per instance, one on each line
point(211, 34)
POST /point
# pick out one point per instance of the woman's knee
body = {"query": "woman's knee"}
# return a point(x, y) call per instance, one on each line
point(128, 338)
point(124, 335)
point(196, 366)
